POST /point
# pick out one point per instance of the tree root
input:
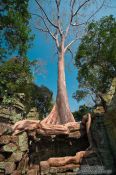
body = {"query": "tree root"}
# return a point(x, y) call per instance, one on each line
point(54, 117)
point(50, 126)
point(54, 129)
point(64, 161)
point(86, 120)
point(47, 129)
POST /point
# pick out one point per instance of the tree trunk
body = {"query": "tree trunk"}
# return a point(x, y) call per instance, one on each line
point(62, 98)
point(60, 113)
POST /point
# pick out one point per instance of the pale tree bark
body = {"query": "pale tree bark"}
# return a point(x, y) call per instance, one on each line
point(61, 113)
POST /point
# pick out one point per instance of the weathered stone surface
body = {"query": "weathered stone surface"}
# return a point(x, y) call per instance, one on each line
point(112, 107)
point(99, 110)
point(33, 114)
point(5, 112)
point(19, 105)
point(58, 146)
point(64, 169)
point(53, 150)
point(2, 165)
point(14, 112)
point(24, 163)
point(109, 95)
point(18, 102)
point(2, 158)
point(102, 141)
point(16, 172)
point(8, 115)
point(5, 139)
point(5, 128)
point(110, 126)
point(16, 156)
point(32, 172)
point(76, 134)
point(9, 148)
point(23, 141)
point(8, 167)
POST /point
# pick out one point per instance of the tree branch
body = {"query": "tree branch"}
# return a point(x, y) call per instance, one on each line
point(48, 30)
point(83, 4)
point(41, 30)
point(71, 17)
point(41, 8)
point(70, 53)
point(73, 41)
point(58, 16)
point(90, 16)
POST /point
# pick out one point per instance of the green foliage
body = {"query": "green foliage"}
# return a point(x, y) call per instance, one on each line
point(7, 100)
point(14, 74)
point(80, 94)
point(15, 30)
point(16, 77)
point(82, 111)
point(96, 58)
point(39, 97)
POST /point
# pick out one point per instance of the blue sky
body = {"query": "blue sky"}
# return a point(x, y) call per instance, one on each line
point(44, 49)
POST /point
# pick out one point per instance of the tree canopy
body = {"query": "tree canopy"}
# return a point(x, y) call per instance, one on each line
point(96, 59)
point(15, 30)
point(16, 77)
point(14, 73)
point(83, 109)
point(39, 97)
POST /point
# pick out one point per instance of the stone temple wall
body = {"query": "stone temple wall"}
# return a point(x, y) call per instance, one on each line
point(29, 153)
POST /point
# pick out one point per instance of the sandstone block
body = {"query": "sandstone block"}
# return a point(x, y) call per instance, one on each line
point(16, 156)
point(5, 139)
point(2, 158)
point(23, 141)
point(9, 148)
point(9, 167)
point(32, 172)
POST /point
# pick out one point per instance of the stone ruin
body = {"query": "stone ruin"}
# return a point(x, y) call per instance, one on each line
point(50, 151)
point(16, 110)
point(45, 152)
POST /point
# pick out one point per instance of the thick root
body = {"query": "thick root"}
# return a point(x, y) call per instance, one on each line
point(64, 161)
point(86, 120)
point(54, 117)
point(48, 129)
point(52, 123)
